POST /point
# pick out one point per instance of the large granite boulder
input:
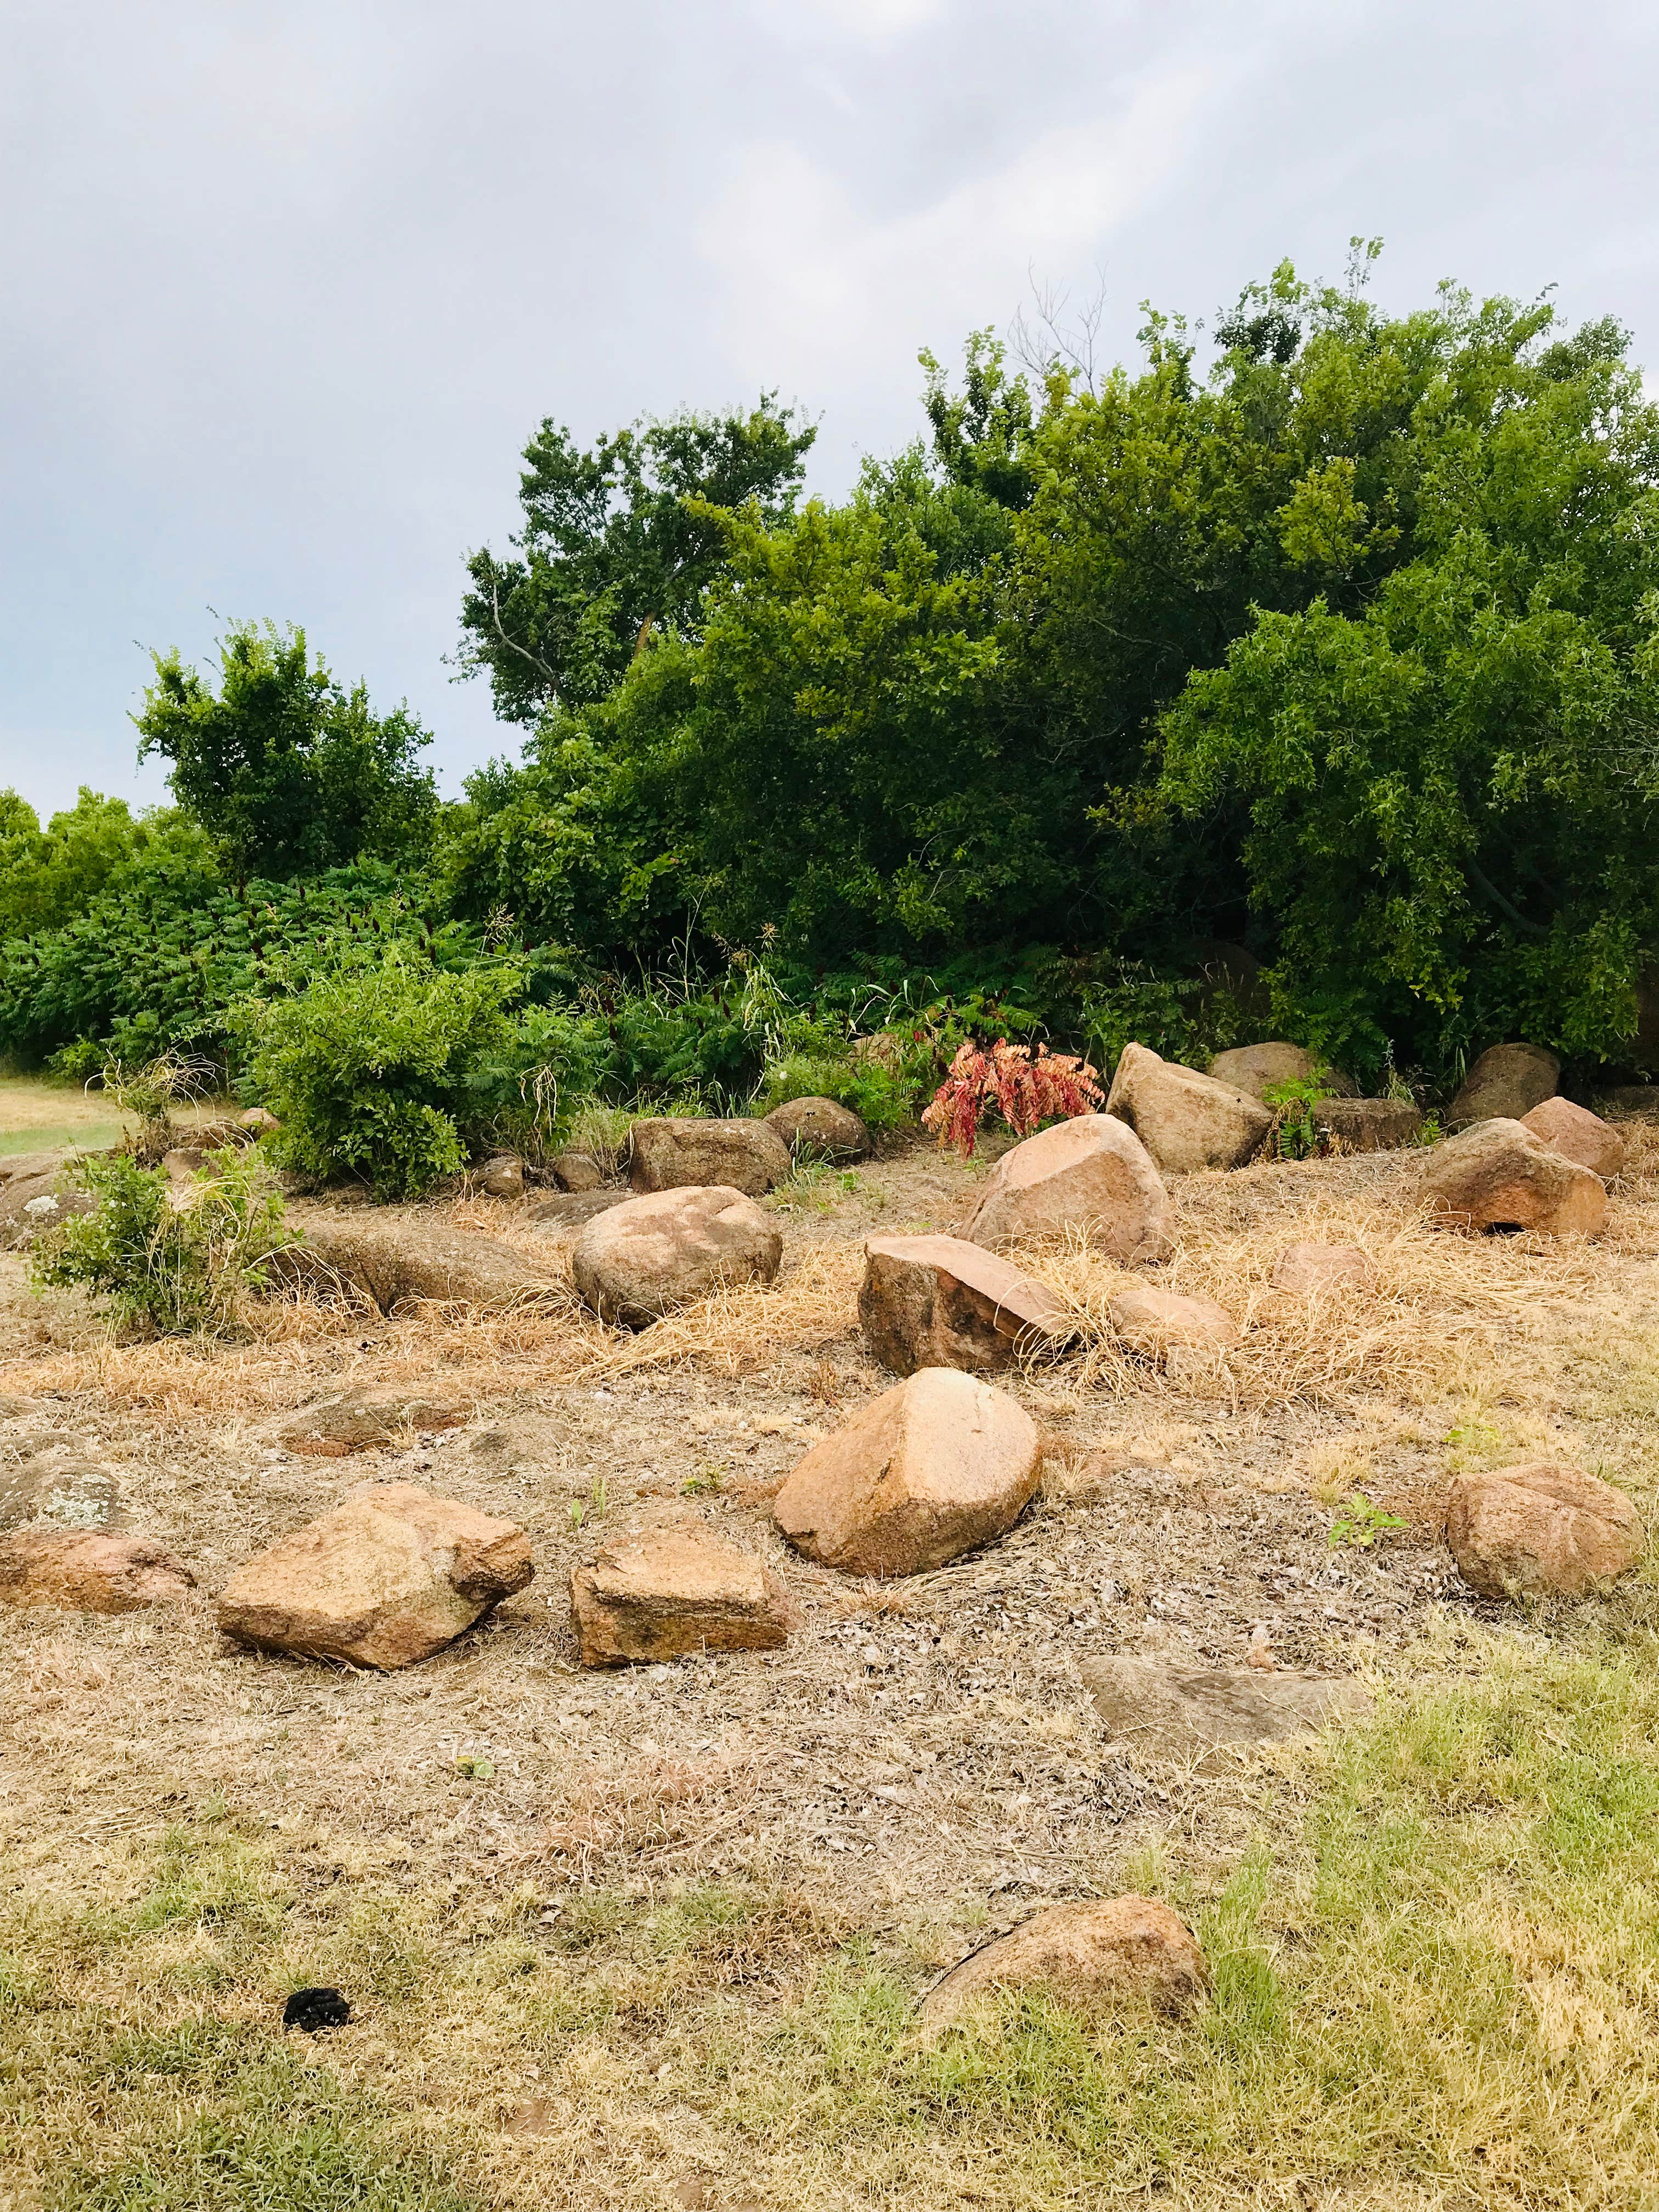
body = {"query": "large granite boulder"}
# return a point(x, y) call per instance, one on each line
point(686, 1152)
point(946, 1301)
point(1101, 1955)
point(1505, 1083)
point(392, 1575)
point(1498, 1176)
point(1541, 1531)
point(1256, 1069)
point(931, 1469)
point(410, 1261)
point(821, 1128)
point(1090, 1178)
point(1185, 1119)
point(673, 1590)
point(639, 1261)
point(1578, 1134)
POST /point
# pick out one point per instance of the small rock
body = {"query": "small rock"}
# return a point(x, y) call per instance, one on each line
point(501, 1177)
point(1306, 1270)
point(257, 1124)
point(660, 1594)
point(638, 1260)
point(1090, 1177)
point(945, 1302)
point(1153, 1322)
point(1178, 1712)
point(1505, 1083)
point(1369, 1125)
point(1089, 1958)
point(1257, 1068)
point(931, 1469)
point(392, 1575)
point(408, 1262)
point(576, 1171)
point(685, 1153)
point(1498, 1175)
point(80, 1571)
point(355, 1420)
point(821, 1126)
point(1540, 1530)
point(1186, 1120)
point(1578, 1134)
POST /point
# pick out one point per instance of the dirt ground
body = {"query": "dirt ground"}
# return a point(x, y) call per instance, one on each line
point(926, 1744)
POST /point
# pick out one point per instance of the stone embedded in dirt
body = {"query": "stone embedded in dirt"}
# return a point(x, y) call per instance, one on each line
point(1255, 1068)
point(669, 1591)
point(1186, 1120)
point(1499, 1176)
point(1178, 1711)
point(932, 1467)
point(25, 1167)
point(1100, 1956)
point(821, 1125)
point(501, 1177)
point(682, 1152)
point(576, 1171)
point(1369, 1125)
point(1505, 1083)
point(255, 1122)
point(1091, 1178)
point(392, 1575)
point(1541, 1531)
point(31, 1204)
point(55, 1486)
point(405, 1262)
point(573, 1209)
point(1578, 1134)
point(357, 1420)
point(1155, 1321)
point(638, 1260)
point(80, 1570)
point(946, 1301)
point(1306, 1270)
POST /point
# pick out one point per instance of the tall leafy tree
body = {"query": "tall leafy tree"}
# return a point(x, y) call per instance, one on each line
point(618, 541)
point(289, 771)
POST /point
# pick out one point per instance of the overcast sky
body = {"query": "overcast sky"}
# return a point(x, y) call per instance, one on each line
point(284, 287)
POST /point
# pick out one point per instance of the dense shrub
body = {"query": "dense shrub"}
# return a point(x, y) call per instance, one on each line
point(173, 1270)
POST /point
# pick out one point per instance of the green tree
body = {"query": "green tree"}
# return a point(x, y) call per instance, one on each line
point(617, 541)
point(290, 772)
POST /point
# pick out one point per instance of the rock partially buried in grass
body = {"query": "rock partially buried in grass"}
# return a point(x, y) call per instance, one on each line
point(1540, 1530)
point(1578, 1134)
point(1156, 1323)
point(78, 1570)
point(501, 1177)
point(821, 1126)
point(1505, 1083)
point(57, 1485)
point(669, 1591)
point(400, 1263)
point(1257, 1068)
point(1309, 1270)
point(1499, 1176)
point(1186, 1120)
point(639, 1261)
point(932, 1467)
point(1122, 1954)
point(575, 1171)
point(1090, 1177)
point(388, 1577)
point(681, 1152)
point(946, 1301)
point(31, 1204)
point(1180, 1712)
point(357, 1420)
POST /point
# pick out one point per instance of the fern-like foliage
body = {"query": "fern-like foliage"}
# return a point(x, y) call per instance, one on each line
point(1026, 1085)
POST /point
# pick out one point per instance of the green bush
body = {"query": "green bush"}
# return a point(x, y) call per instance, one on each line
point(878, 1094)
point(375, 1066)
point(175, 1271)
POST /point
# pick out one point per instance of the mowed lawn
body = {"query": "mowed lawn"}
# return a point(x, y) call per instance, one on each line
point(36, 1114)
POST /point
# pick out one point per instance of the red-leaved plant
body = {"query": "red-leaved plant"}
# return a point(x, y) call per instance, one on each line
point(1024, 1087)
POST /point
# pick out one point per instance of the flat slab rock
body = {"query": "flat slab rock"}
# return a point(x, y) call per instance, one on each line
point(410, 1262)
point(391, 1576)
point(1154, 1321)
point(1309, 1270)
point(1107, 1955)
point(679, 1151)
point(357, 1420)
point(1540, 1530)
point(79, 1571)
point(574, 1209)
point(666, 1592)
point(1369, 1125)
point(929, 1469)
point(946, 1301)
point(1090, 1178)
point(1177, 1711)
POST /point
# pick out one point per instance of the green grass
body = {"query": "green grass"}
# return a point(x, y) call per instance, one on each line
point(1437, 1979)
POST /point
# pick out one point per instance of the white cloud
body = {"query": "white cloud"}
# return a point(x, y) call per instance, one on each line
point(816, 286)
point(868, 22)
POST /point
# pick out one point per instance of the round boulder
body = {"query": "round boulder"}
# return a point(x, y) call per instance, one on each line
point(1578, 1134)
point(637, 1261)
point(1092, 1176)
point(1119, 1953)
point(1541, 1531)
point(821, 1125)
point(1505, 1083)
point(1256, 1069)
point(1499, 1176)
point(683, 1152)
